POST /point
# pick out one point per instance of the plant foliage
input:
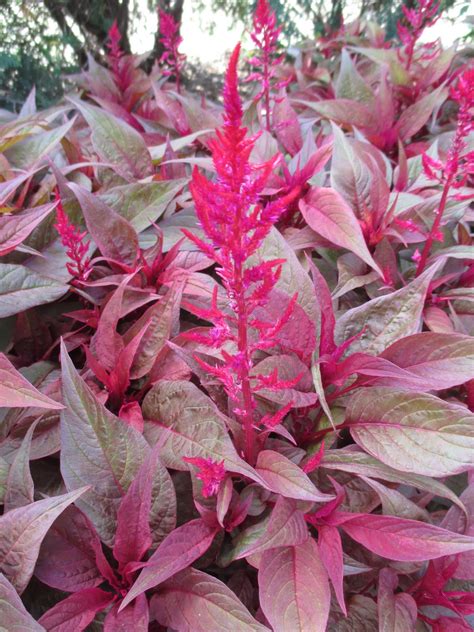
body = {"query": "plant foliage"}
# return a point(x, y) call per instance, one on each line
point(236, 343)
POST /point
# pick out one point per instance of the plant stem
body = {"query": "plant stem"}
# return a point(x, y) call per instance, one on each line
point(435, 227)
point(244, 375)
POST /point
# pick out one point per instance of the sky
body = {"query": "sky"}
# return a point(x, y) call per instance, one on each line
point(213, 49)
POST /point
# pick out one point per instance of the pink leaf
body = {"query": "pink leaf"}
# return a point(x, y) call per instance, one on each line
point(440, 360)
point(23, 530)
point(177, 551)
point(14, 229)
point(17, 392)
point(284, 527)
point(327, 213)
point(114, 235)
point(397, 612)
point(133, 535)
point(284, 477)
point(193, 601)
point(330, 551)
point(134, 617)
point(403, 540)
point(13, 613)
point(71, 554)
point(294, 588)
point(76, 611)
point(20, 487)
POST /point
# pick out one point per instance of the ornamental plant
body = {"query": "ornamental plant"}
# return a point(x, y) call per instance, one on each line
point(237, 368)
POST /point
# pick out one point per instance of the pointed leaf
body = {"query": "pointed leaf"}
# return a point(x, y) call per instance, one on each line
point(284, 527)
point(76, 611)
point(284, 477)
point(14, 229)
point(416, 115)
point(349, 83)
point(13, 615)
point(97, 449)
point(23, 530)
point(177, 551)
point(413, 432)
point(21, 288)
point(354, 461)
point(328, 214)
point(133, 536)
point(117, 143)
point(134, 617)
point(441, 360)
point(397, 613)
point(142, 203)
point(20, 487)
point(387, 318)
point(404, 540)
point(330, 551)
point(17, 392)
point(114, 236)
point(294, 589)
point(197, 427)
point(196, 602)
point(68, 558)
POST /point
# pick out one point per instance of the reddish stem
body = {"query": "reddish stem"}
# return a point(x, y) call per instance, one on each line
point(435, 227)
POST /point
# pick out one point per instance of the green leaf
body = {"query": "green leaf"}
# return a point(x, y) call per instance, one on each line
point(349, 83)
point(385, 319)
point(97, 449)
point(354, 461)
point(26, 153)
point(193, 426)
point(412, 432)
point(142, 203)
point(116, 143)
point(21, 288)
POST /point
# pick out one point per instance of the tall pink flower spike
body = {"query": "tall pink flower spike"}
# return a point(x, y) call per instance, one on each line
point(235, 224)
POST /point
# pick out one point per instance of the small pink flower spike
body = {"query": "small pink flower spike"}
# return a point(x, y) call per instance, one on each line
point(171, 40)
point(211, 473)
point(73, 240)
point(459, 165)
point(265, 36)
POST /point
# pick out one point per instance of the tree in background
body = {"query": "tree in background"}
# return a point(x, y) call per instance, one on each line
point(43, 40)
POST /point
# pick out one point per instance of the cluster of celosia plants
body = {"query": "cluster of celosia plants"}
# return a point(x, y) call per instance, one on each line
point(236, 342)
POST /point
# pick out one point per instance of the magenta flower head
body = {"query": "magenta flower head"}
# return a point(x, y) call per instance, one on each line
point(265, 36)
point(170, 38)
point(423, 15)
point(79, 265)
point(235, 224)
point(459, 165)
point(210, 472)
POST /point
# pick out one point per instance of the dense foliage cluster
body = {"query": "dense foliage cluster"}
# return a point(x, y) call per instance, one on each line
point(236, 343)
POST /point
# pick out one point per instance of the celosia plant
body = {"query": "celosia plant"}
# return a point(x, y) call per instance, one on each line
point(265, 36)
point(241, 397)
point(171, 58)
point(459, 165)
point(424, 14)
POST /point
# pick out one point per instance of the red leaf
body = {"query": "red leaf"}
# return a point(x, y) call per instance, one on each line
point(77, 611)
point(294, 588)
point(177, 551)
point(17, 392)
point(404, 540)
